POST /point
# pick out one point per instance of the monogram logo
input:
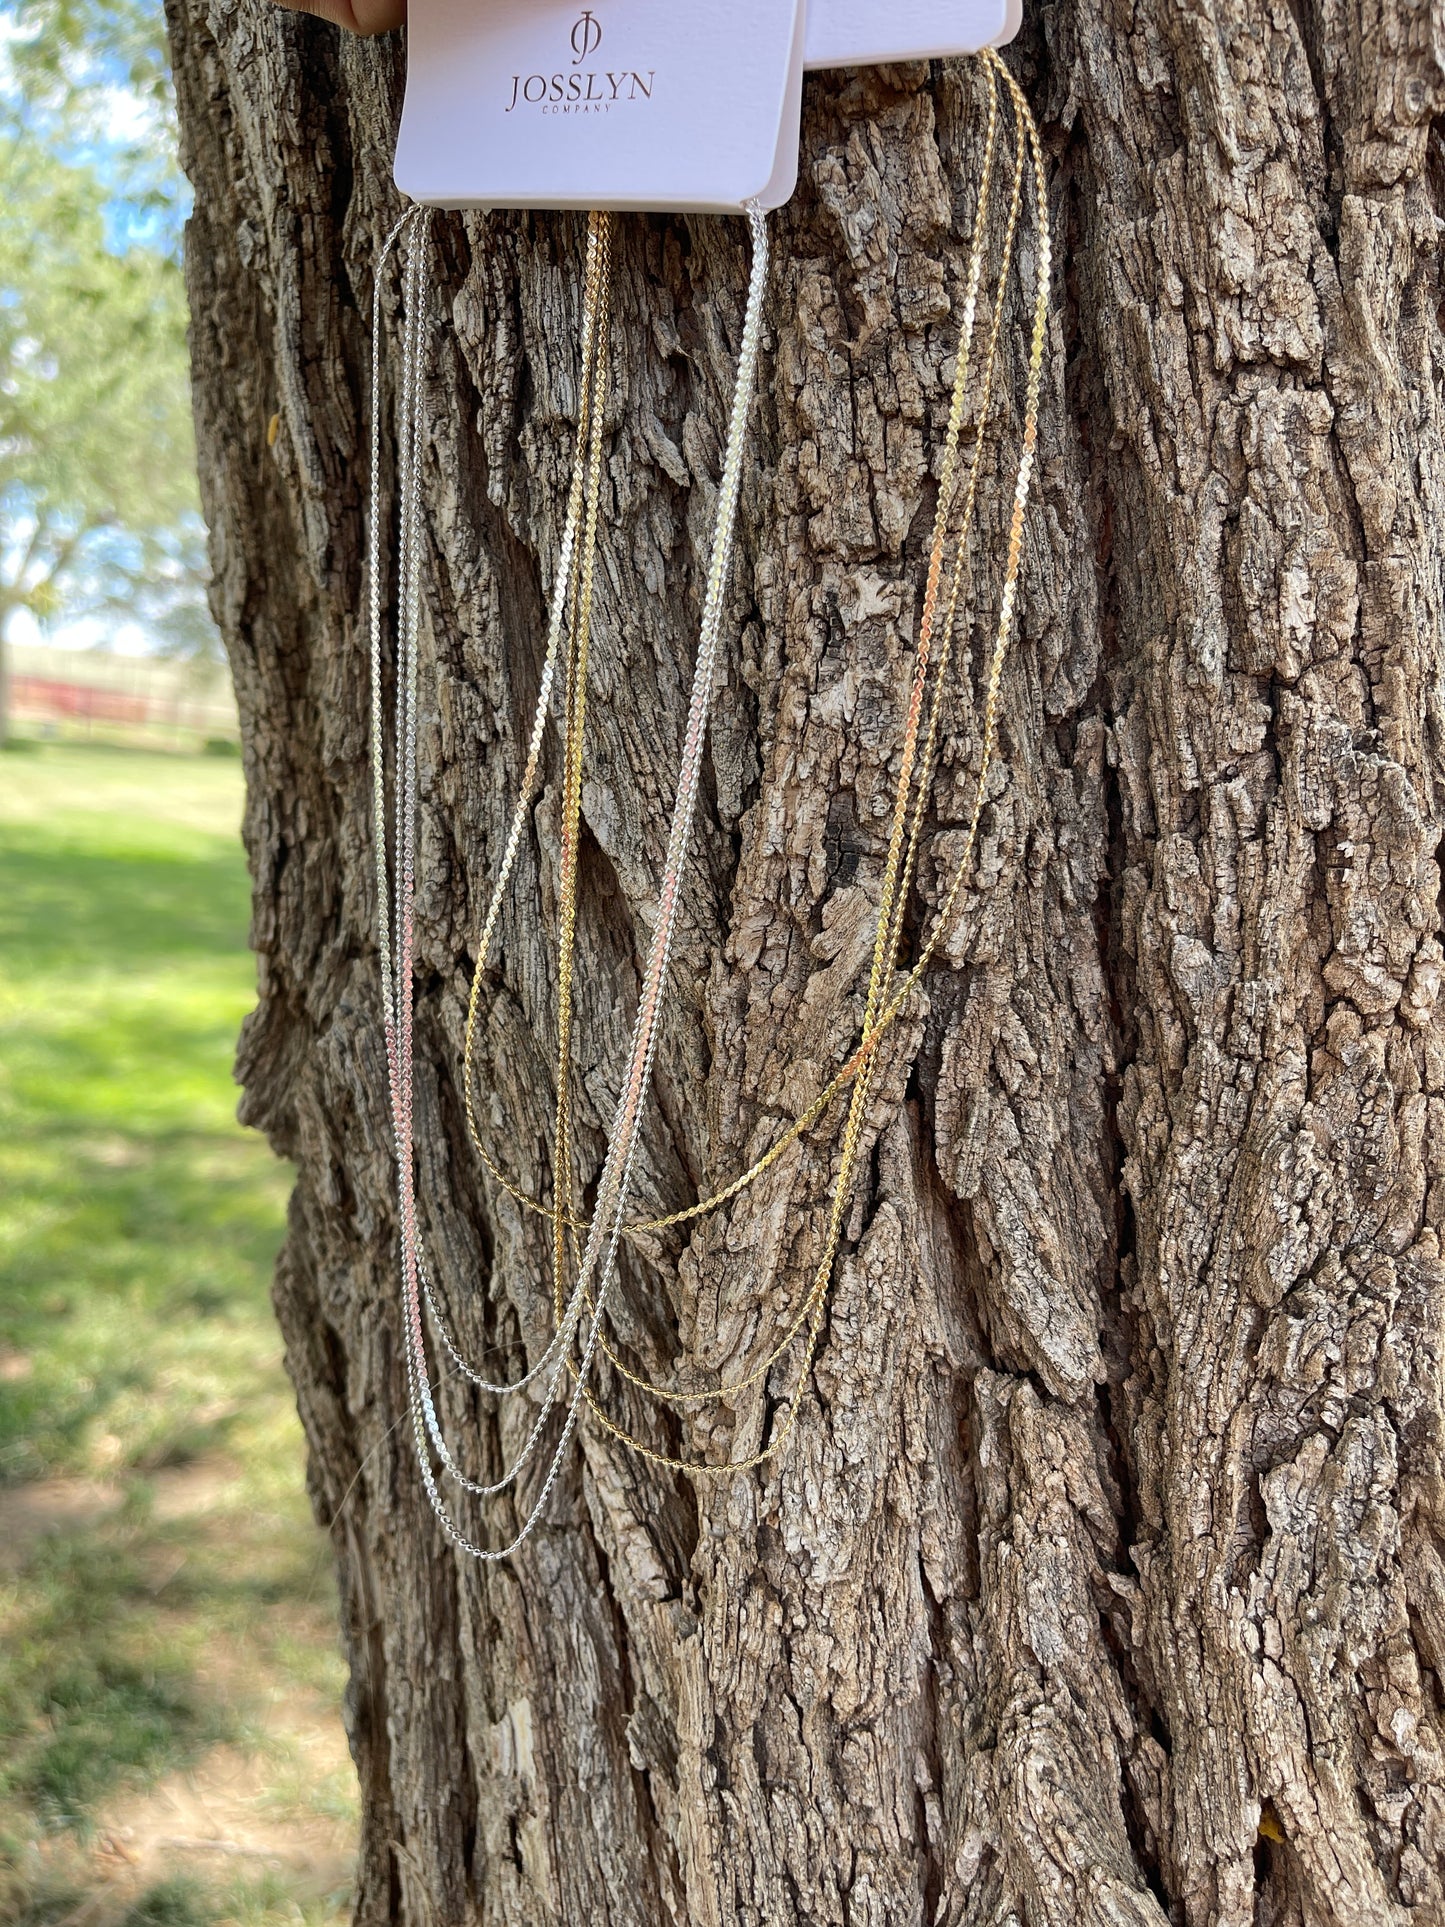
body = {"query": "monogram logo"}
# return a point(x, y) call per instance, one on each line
point(586, 37)
point(597, 91)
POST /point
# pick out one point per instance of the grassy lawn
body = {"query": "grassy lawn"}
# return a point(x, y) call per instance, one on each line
point(170, 1749)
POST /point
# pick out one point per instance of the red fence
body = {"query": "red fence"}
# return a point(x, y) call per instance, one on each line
point(44, 697)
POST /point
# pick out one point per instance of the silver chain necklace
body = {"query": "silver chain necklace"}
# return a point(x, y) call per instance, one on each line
point(395, 924)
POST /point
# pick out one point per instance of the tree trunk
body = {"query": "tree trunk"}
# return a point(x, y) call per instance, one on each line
point(1102, 1581)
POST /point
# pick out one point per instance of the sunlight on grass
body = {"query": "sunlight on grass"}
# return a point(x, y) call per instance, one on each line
point(166, 1618)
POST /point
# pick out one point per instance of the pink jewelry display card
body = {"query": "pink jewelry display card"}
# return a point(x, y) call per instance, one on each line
point(664, 105)
point(868, 33)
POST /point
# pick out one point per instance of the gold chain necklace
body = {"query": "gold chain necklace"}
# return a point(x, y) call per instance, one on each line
point(910, 800)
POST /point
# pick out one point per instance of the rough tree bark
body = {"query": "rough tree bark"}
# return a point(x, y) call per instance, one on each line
point(1103, 1582)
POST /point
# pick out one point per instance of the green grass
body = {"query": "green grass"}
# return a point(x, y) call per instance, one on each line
point(162, 1591)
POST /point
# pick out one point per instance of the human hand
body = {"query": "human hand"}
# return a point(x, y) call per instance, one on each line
point(358, 16)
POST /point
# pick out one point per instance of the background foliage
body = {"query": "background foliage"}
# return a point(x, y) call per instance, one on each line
point(171, 1752)
point(169, 1677)
point(98, 505)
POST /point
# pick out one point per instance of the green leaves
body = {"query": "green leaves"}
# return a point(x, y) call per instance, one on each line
point(98, 502)
point(66, 54)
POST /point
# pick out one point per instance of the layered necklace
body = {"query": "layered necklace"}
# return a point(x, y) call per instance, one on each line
point(585, 1250)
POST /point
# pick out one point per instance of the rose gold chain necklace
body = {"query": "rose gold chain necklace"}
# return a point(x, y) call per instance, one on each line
point(571, 610)
point(947, 560)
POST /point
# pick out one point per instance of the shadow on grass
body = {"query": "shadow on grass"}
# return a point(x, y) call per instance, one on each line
point(61, 900)
point(137, 1223)
point(126, 1260)
point(90, 1700)
point(166, 1620)
point(180, 1902)
point(142, 1649)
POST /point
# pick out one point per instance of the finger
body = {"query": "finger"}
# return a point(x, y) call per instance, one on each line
point(378, 16)
point(357, 16)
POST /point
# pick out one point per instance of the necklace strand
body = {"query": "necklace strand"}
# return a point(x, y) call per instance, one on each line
point(891, 910)
point(893, 893)
point(571, 608)
point(910, 808)
point(869, 1044)
point(397, 1035)
point(396, 946)
point(605, 1231)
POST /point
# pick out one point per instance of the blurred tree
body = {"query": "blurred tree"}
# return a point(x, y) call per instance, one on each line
point(63, 41)
point(98, 505)
point(93, 77)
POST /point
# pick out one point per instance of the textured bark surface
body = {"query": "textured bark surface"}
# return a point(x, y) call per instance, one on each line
point(1103, 1582)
